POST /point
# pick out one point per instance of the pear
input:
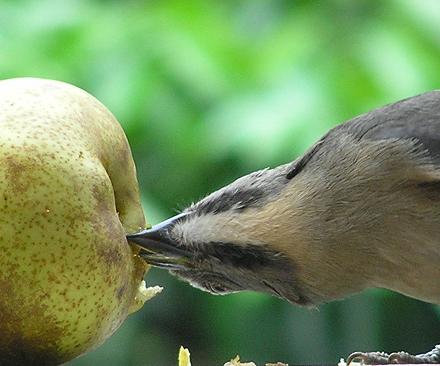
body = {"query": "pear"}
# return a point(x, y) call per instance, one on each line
point(68, 196)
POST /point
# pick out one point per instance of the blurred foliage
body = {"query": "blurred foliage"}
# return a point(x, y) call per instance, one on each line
point(210, 90)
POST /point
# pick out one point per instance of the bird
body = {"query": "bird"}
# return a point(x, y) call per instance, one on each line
point(359, 209)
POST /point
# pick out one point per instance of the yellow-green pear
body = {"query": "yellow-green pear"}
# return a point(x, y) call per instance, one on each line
point(68, 196)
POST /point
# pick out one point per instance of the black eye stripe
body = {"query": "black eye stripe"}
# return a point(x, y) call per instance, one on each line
point(246, 256)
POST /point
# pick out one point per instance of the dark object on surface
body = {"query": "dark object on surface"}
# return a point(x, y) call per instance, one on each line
point(360, 209)
point(382, 358)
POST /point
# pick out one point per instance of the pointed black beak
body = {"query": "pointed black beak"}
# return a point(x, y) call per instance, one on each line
point(159, 249)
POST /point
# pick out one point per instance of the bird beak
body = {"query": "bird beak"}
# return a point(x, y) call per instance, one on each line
point(158, 249)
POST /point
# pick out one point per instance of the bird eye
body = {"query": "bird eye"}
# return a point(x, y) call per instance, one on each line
point(219, 288)
point(215, 288)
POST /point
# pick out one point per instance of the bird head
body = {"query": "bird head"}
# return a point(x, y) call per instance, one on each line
point(228, 241)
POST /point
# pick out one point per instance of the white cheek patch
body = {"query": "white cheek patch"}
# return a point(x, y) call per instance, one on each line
point(221, 227)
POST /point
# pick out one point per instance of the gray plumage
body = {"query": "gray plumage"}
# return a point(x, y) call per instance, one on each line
point(361, 208)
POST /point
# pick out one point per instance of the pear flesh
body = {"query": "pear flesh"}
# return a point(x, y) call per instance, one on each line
point(68, 196)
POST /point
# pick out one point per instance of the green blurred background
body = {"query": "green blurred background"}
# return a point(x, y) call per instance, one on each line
point(210, 90)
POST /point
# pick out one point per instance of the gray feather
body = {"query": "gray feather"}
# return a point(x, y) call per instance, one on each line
point(413, 119)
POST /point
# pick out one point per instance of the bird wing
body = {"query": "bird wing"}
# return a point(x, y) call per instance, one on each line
point(412, 118)
point(415, 118)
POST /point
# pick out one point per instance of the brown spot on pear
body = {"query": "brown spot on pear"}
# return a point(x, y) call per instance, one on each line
point(68, 196)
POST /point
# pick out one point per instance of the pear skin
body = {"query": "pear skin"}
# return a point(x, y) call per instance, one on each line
point(68, 196)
